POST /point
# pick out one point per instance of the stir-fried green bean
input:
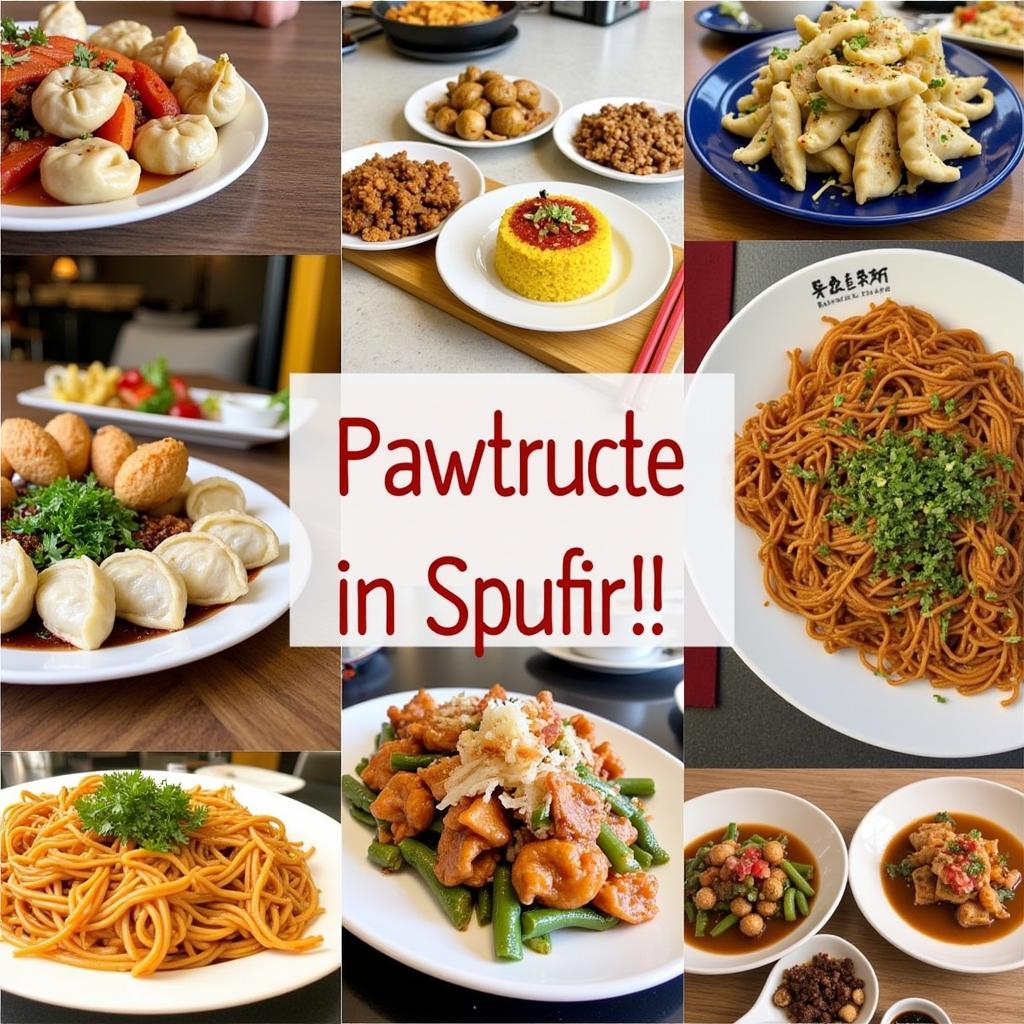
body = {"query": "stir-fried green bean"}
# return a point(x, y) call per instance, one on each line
point(541, 817)
point(361, 766)
point(724, 925)
point(701, 924)
point(455, 900)
point(506, 913)
point(356, 793)
point(796, 878)
point(363, 817)
point(539, 944)
point(789, 904)
point(618, 853)
point(385, 856)
point(643, 858)
point(691, 911)
point(549, 919)
point(646, 839)
point(635, 786)
point(484, 905)
point(410, 762)
point(801, 903)
point(731, 833)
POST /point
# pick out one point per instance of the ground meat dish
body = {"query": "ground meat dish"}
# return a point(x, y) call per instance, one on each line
point(17, 113)
point(825, 990)
point(387, 198)
point(155, 529)
point(633, 138)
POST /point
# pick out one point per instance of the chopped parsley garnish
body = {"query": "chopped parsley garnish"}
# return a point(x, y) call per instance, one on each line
point(975, 833)
point(974, 866)
point(10, 59)
point(804, 474)
point(824, 550)
point(936, 83)
point(818, 105)
point(1000, 551)
point(108, 65)
point(135, 808)
point(549, 217)
point(837, 400)
point(907, 493)
point(22, 134)
point(1012, 639)
point(934, 401)
point(83, 56)
point(850, 427)
point(73, 518)
point(1005, 895)
point(859, 42)
point(763, 446)
point(903, 869)
point(939, 699)
point(779, 52)
point(944, 816)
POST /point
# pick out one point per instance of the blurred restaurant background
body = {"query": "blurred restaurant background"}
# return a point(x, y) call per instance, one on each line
point(248, 319)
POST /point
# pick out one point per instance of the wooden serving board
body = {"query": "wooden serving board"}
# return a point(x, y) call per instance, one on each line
point(610, 349)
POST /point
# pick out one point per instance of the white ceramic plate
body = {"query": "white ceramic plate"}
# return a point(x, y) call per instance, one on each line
point(662, 658)
point(266, 601)
point(464, 171)
point(836, 689)
point(569, 122)
point(397, 915)
point(238, 145)
point(416, 116)
point(641, 261)
point(794, 816)
point(232, 983)
point(253, 775)
point(148, 424)
point(893, 813)
point(949, 30)
point(679, 695)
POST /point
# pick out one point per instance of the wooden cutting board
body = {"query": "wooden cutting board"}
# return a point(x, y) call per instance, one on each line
point(610, 349)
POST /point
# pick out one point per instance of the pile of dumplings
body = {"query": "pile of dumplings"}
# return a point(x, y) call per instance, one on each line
point(78, 600)
point(72, 102)
point(862, 100)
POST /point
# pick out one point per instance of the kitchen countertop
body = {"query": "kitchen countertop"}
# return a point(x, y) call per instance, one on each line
point(642, 703)
point(259, 695)
point(289, 201)
point(318, 1003)
point(846, 796)
point(714, 211)
point(639, 56)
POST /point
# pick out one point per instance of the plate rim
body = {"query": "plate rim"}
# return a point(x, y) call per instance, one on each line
point(951, 965)
point(219, 642)
point(332, 942)
point(611, 198)
point(435, 136)
point(703, 18)
point(613, 667)
point(740, 649)
point(846, 219)
point(566, 148)
point(569, 993)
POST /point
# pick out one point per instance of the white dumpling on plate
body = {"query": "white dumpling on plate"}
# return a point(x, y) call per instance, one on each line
point(212, 572)
point(215, 90)
point(787, 126)
point(175, 144)
point(877, 169)
point(76, 602)
point(71, 101)
point(148, 591)
point(214, 494)
point(168, 55)
point(122, 36)
point(868, 86)
point(920, 159)
point(18, 579)
point(88, 171)
point(63, 19)
point(250, 538)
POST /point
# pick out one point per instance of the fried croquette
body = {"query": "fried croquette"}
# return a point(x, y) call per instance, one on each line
point(152, 474)
point(7, 492)
point(34, 454)
point(75, 440)
point(6, 469)
point(174, 506)
point(110, 447)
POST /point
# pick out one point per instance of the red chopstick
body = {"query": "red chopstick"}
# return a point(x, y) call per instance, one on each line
point(666, 325)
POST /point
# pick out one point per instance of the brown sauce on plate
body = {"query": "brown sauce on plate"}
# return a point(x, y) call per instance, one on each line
point(938, 920)
point(33, 636)
point(914, 1017)
point(31, 192)
point(734, 941)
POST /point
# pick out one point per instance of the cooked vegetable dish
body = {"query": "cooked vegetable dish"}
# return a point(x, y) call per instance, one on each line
point(487, 105)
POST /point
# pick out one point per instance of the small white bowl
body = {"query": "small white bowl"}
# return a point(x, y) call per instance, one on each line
point(244, 410)
point(795, 816)
point(764, 1011)
point(894, 812)
point(921, 1006)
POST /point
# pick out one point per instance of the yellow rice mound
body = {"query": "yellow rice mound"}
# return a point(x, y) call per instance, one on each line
point(554, 275)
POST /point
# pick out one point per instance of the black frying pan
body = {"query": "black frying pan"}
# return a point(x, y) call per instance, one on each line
point(451, 37)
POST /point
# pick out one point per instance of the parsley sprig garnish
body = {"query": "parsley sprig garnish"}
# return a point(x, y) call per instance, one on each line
point(83, 56)
point(135, 808)
point(550, 216)
point(22, 37)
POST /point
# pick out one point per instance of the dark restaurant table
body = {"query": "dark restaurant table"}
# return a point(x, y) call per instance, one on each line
point(318, 1003)
point(643, 703)
point(289, 200)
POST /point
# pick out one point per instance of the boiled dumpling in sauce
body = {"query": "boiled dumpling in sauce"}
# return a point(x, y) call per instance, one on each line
point(76, 602)
point(71, 101)
point(122, 36)
point(215, 90)
point(63, 19)
point(148, 591)
point(175, 144)
point(250, 538)
point(168, 55)
point(88, 171)
point(212, 572)
point(18, 579)
point(214, 494)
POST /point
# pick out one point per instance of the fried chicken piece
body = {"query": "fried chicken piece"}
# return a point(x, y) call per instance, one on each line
point(110, 447)
point(623, 828)
point(463, 856)
point(577, 811)
point(631, 898)
point(403, 808)
point(378, 771)
point(436, 775)
point(408, 721)
point(609, 765)
point(559, 873)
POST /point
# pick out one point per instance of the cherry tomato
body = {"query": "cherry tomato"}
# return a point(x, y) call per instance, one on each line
point(133, 396)
point(130, 379)
point(180, 389)
point(186, 408)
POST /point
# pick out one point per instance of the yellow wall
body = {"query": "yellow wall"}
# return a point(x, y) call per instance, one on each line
point(312, 330)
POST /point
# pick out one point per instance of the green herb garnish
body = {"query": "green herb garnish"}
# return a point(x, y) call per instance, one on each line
point(903, 869)
point(73, 518)
point(936, 83)
point(1005, 895)
point(108, 65)
point(135, 808)
point(283, 399)
point(83, 56)
point(549, 218)
point(22, 134)
point(818, 105)
point(945, 816)
point(939, 699)
point(779, 53)
point(859, 42)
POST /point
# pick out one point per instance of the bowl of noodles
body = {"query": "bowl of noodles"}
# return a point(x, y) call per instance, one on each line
point(242, 906)
point(877, 502)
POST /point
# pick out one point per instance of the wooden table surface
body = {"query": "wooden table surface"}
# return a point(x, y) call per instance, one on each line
point(846, 796)
point(259, 695)
point(714, 211)
point(289, 201)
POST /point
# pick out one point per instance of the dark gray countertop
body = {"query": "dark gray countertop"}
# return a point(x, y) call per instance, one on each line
point(319, 1003)
point(643, 703)
point(777, 734)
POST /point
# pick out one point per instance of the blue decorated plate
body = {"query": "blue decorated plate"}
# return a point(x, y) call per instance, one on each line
point(713, 21)
point(1001, 135)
